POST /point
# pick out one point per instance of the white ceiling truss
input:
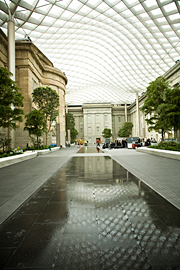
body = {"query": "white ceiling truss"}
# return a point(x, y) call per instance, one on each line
point(109, 50)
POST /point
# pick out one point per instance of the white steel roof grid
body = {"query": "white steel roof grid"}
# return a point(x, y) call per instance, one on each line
point(113, 48)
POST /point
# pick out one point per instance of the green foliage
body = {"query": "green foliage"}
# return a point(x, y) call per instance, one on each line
point(70, 125)
point(158, 106)
point(10, 102)
point(17, 151)
point(47, 101)
point(172, 107)
point(125, 130)
point(11, 154)
point(5, 155)
point(5, 144)
point(171, 145)
point(107, 133)
point(41, 147)
point(35, 124)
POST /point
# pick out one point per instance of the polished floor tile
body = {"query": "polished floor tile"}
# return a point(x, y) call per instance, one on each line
point(92, 214)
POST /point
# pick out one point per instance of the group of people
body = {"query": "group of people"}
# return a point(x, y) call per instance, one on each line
point(146, 141)
point(122, 142)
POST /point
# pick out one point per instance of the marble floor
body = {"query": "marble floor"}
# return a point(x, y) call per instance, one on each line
point(92, 214)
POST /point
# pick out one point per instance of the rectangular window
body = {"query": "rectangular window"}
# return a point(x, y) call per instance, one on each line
point(89, 130)
point(97, 118)
point(119, 119)
point(97, 129)
point(105, 117)
point(81, 130)
point(89, 118)
point(34, 85)
point(81, 120)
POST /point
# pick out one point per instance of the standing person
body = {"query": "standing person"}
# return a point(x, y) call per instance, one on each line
point(123, 142)
point(98, 146)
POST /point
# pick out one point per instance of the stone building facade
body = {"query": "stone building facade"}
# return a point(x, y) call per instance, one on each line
point(34, 69)
point(173, 75)
point(90, 118)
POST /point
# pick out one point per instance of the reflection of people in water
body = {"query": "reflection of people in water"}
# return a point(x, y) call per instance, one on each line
point(98, 146)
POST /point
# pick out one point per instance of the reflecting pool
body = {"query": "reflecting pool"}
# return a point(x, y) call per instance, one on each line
point(89, 149)
point(92, 214)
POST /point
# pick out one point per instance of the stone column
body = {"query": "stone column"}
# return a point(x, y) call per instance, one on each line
point(58, 134)
point(127, 175)
point(137, 113)
point(11, 59)
point(125, 112)
point(11, 45)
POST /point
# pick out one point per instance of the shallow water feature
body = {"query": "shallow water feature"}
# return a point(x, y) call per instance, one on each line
point(92, 214)
point(89, 149)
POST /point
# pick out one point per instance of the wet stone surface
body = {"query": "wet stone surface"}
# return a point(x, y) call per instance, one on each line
point(92, 214)
point(87, 149)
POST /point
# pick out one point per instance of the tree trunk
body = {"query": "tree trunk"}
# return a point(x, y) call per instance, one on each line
point(175, 133)
point(8, 133)
point(162, 133)
point(46, 132)
point(46, 137)
point(37, 142)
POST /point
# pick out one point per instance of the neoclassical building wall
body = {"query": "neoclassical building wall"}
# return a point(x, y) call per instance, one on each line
point(97, 117)
point(92, 119)
point(34, 69)
point(173, 75)
point(77, 112)
point(118, 118)
point(116, 115)
point(3, 50)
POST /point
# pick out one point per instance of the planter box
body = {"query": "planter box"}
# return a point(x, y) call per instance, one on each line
point(6, 161)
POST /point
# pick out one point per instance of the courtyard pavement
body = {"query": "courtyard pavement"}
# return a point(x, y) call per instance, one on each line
point(89, 210)
point(21, 180)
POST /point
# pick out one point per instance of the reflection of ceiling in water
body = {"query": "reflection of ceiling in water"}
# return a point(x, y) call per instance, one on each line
point(108, 49)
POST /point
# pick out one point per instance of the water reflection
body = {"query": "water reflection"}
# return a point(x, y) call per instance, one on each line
point(92, 214)
point(89, 149)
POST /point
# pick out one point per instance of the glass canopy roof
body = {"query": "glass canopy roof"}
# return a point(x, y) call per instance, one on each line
point(109, 50)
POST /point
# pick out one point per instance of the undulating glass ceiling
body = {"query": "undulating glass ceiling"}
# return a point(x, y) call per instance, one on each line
point(109, 50)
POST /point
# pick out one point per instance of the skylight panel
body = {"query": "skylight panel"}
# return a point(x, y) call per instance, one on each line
point(161, 20)
point(174, 17)
point(75, 5)
point(67, 15)
point(103, 7)
point(29, 26)
point(85, 9)
point(56, 11)
point(151, 3)
point(48, 20)
point(170, 7)
point(144, 16)
point(41, 29)
point(156, 12)
point(126, 13)
point(94, 3)
point(89, 36)
point(120, 6)
point(36, 16)
point(132, 2)
point(45, 7)
point(139, 8)
point(166, 27)
point(42, 3)
point(20, 9)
